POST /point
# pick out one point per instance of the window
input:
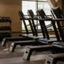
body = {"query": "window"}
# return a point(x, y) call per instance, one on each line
point(45, 6)
point(35, 5)
point(27, 5)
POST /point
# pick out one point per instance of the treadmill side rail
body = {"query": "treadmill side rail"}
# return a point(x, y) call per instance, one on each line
point(29, 50)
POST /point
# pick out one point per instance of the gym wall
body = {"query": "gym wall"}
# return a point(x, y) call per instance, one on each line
point(11, 8)
point(53, 3)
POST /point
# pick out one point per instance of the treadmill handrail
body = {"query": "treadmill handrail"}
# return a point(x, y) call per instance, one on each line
point(46, 19)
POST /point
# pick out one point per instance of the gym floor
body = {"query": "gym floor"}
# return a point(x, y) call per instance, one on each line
point(14, 58)
point(17, 58)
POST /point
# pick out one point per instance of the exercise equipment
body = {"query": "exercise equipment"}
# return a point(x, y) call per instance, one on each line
point(5, 30)
point(54, 48)
point(31, 14)
point(30, 49)
point(43, 15)
point(57, 13)
point(54, 58)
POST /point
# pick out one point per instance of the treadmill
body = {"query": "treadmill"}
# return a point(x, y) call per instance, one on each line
point(54, 58)
point(57, 13)
point(31, 15)
point(55, 47)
